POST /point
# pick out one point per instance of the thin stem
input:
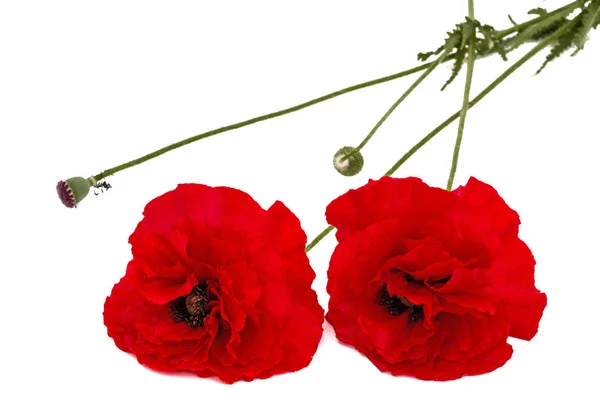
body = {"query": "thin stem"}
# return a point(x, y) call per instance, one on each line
point(443, 58)
point(265, 117)
point(539, 47)
point(562, 10)
point(408, 91)
point(500, 34)
point(318, 238)
point(465, 105)
point(471, 10)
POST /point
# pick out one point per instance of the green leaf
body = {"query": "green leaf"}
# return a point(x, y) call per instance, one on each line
point(457, 39)
point(451, 42)
point(589, 20)
point(564, 43)
point(454, 38)
point(494, 45)
point(501, 50)
point(468, 29)
point(427, 55)
point(538, 30)
point(538, 11)
point(457, 66)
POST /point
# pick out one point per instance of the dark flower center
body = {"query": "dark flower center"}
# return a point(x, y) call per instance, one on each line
point(191, 309)
point(399, 305)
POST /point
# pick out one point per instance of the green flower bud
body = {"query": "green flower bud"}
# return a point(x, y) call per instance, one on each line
point(73, 190)
point(348, 166)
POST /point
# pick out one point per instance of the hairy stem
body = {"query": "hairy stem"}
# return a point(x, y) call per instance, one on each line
point(465, 105)
point(566, 10)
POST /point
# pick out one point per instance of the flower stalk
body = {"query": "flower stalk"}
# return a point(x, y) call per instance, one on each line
point(465, 107)
point(534, 51)
point(480, 53)
point(432, 66)
point(261, 118)
point(73, 190)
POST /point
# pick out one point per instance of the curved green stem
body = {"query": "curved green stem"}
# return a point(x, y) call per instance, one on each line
point(471, 58)
point(265, 117)
point(465, 105)
point(567, 9)
point(539, 47)
point(316, 240)
point(408, 91)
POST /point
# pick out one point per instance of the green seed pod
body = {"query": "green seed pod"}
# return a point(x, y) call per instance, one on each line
point(348, 163)
point(73, 190)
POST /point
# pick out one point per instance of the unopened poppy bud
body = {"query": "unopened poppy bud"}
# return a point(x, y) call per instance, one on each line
point(347, 162)
point(73, 190)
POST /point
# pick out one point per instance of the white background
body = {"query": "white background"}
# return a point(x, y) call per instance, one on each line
point(87, 85)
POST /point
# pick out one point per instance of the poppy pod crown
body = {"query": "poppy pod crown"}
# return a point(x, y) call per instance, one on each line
point(73, 190)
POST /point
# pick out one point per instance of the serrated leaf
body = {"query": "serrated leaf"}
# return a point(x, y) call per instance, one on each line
point(451, 42)
point(589, 20)
point(537, 11)
point(494, 45)
point(541, 28)
point(457, 66)
point(427, 55)
point(501, 50)
point(564, 43)
point(453, 39)
point(487, 31)
point(467, 30)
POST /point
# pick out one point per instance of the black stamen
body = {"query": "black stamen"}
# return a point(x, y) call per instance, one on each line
point(415, 314)
point(191, 309)
point(399, 305)
point(392, 303)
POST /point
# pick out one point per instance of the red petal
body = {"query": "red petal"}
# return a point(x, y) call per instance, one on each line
point(393, 337)
point(265, 318)
point(205, 205)
point(486, 208)
point(404, 199)
point(513, 283)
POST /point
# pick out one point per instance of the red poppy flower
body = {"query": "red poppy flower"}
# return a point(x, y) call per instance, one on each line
point(217, 286)
point(430, 283)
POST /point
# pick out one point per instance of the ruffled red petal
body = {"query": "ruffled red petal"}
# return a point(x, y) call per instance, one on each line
point(255, 273)
point(405, 200)
point(486, 208)
point(430, 283)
